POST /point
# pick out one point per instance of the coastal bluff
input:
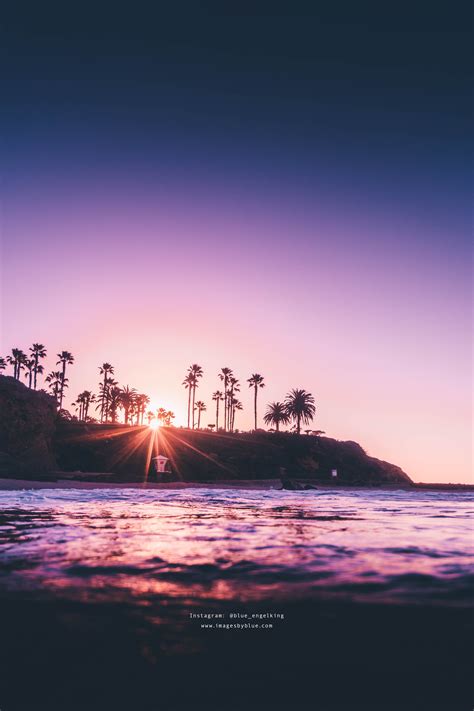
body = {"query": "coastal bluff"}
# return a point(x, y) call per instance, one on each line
point(28, 421)
point(205, 456)
point(35, 442)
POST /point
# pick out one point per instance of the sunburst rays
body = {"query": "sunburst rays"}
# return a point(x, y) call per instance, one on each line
point(144, 443)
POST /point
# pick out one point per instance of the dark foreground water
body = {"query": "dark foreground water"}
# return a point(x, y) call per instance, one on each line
point(235, 599)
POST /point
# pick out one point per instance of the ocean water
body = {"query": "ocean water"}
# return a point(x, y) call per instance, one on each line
point(237, 545)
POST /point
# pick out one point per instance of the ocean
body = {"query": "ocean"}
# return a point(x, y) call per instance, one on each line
point(316, 583)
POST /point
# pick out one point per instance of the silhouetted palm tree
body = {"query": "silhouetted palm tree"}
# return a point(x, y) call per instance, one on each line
point(77, 405)
point(142, 401)
point(195, 371)
point(276, 414)
point(105, 369)
point(82, 404)
point(200, 407)
point(114, 400)
point(169, 416)
point(301, 407)
point(234, 387)
point(236, 405)
point(32, 369)
point(188, 383)
point(3, 364)
point(65, 358)
point(218, 397)
point(38, 351)
point(29, 365)
point(255, 382)
point(225, 375)
point(18, 360)
point(161, 414)
point(150, 415)
point(127, 399)
point(56, 383)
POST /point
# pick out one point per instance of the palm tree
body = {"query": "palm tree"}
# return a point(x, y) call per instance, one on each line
point(89, 397)
point(3, 363)
point(276, 414)
point(301, 407)
point(82, 404)
point(142, 401)
point(224, 375)
point(218, 397)
point(77, 405)
point(188, 383)
point(29, 365)
point(169, 416)
point(18, 360)
point(255, 381)
point(150, 415)
point(195, 371)
point(234, 387)
point(105, 369)
point(103, 400)
point(161, 414)
point(127, 399)
point(38, 351)
point(56, 384)
point(114, 401)
point(65, 358)
point(200, 407)
point(236, 405)
point(32, 369)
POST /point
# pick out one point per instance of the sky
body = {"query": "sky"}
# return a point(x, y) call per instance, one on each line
point(275, 192)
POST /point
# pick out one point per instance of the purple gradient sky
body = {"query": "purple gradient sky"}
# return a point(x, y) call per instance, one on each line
point(307, 297)
point(282, 193)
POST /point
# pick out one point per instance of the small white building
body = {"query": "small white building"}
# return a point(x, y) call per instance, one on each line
point(334, 473)
point(160, 463)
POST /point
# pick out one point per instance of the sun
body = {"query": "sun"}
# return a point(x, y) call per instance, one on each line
point(154, 424)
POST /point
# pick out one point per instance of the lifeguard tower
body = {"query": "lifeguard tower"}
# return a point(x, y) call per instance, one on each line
point(162, 469)
point(160, 463)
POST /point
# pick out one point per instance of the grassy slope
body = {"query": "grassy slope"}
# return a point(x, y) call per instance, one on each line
point(199, 456)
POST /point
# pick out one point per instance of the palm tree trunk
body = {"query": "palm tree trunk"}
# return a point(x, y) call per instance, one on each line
point(189, 405)
point(36, 369)
point(194, 400)
point(226, 395)
point(255, 407)
point(61, 394)
point(217, 415)
point(298, 424)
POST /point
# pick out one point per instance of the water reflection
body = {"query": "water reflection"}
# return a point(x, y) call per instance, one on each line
point(238, 545)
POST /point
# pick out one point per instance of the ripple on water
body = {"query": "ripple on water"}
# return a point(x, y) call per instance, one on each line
point(394, 546)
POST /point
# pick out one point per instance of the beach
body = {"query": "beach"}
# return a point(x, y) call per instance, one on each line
point(66, 480)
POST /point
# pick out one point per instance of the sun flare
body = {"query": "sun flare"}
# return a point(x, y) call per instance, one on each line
point(154, 425)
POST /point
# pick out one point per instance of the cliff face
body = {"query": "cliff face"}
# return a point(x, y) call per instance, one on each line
point(27, 426)
point(201, 456)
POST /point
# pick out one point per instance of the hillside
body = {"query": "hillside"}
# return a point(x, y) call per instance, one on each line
point(203, 456)
point(33, 442)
